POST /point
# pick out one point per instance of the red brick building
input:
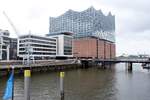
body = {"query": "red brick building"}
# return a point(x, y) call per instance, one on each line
point(93, 48)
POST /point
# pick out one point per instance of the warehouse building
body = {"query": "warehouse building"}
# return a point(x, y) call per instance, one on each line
point(92, 47)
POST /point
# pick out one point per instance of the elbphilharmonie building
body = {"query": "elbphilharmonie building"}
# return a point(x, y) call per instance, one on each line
point(93, 32)
point(90, 22)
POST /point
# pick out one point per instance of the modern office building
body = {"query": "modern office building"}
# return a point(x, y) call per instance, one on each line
point(90, 28)
point(64, 44)
point(8, 46)
point(39, 47)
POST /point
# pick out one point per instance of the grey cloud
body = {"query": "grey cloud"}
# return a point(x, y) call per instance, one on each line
point(139, 5)
point(36, 12)
point(133, 42)
point(131, 16)
point(137, 23)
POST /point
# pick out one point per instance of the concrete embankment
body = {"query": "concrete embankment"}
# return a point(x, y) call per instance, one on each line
point(37, 66)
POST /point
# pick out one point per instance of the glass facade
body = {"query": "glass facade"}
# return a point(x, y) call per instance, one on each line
point(67, 45)
point(90, 22)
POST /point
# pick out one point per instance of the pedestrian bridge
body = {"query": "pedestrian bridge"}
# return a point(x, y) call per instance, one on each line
point(128, 60)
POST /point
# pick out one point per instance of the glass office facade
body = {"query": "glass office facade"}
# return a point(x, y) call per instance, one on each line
point(67, 45)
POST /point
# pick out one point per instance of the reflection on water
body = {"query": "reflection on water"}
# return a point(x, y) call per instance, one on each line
point(87, 84)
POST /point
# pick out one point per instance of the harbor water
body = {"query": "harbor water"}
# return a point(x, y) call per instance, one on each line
point(113, 83)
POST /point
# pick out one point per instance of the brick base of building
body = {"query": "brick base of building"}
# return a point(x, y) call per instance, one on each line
point(93, 48)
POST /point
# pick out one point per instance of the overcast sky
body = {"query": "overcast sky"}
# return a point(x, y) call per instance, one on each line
point(132, 19)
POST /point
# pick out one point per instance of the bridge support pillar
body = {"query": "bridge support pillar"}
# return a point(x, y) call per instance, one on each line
point(85, 64)
point(103, 65)
point(129, 66)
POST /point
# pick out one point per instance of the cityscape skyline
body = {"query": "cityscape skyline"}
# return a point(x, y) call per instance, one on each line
point(132, 28)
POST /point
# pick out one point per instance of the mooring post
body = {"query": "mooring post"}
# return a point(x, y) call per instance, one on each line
point(27, 76)
point(62, 74)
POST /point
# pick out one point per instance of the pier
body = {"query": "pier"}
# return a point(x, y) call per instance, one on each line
point(39, 65)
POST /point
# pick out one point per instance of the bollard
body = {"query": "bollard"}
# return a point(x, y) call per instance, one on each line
point(27, 75)
point(8, 68)
point(62, 85)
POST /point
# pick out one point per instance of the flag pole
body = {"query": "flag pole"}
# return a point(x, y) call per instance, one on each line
point(13, 83)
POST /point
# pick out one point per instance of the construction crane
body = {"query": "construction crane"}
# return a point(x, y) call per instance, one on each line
point(14, 28)
point(28, 48)
point(12, 25)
